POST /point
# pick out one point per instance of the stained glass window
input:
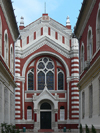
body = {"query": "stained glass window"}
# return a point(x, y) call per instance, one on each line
point(45, 73)
point(41, 80)
point(60, 80)
point(50, 80)
point(31, 79)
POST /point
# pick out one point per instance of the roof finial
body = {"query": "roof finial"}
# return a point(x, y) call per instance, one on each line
point(45, 7)
point(68, 21)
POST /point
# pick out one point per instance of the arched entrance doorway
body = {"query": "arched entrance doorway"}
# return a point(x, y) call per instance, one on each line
point(45, 116)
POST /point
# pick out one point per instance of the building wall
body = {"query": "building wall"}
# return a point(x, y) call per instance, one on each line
point(89, 73)
point(37, 42)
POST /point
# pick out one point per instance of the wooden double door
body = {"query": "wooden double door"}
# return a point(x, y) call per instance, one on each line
point(45, 120)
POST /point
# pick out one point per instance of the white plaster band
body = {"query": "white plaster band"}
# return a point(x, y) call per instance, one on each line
point(18, 84)
point(17, 107)
point(16, 69)
point(75, 93)
point(75, 111)
point(75, 116)
point(75, 69)
point(17, 74)
point(74, 88)
point(75, 102)
point(17, 89)
point(17, 102)
point(74, 60)
point(75, 65)
point(17, 65)
point(17, 93)
point(74, 83)
point(75, 97)
point(17, 112)
point(73, 107)
point(17, 98)
point(17, 60)
point(17, 116)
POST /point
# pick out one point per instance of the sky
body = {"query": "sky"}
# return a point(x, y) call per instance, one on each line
point(58, 10)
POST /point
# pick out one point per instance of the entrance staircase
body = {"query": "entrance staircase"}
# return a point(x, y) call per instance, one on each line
point(46, 130)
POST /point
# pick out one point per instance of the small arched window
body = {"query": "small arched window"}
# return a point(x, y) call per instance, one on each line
point(60, 79)
point(89, 44)
point(98, 29)
point(29, 113)
point(31, 79)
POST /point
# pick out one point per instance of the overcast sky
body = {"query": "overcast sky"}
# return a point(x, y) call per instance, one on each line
point(56, 9)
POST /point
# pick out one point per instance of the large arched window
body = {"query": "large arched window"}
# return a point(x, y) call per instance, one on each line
point(31, 79)
point(89, 44)
point(98, 29)
point(82, 57)
point(0, 36)
point(45, 73)
point(60, 79)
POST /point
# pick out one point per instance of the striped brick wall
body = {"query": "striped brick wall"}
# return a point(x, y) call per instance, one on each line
point(74, 88)
point(17, 90)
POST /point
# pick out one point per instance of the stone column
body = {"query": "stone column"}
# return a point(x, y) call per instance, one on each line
point(56, 120)
point(23, 117)
point(67, 100)
point(36, 124)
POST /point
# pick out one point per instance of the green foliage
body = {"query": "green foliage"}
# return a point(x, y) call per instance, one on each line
point(81, 128)
point(93, 129)
point(5, 128)
point(87, 129)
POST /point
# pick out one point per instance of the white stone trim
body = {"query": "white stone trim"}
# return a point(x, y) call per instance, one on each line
point(75, 93)
point(75, 102)
point(17, 116)
point(17, 98)
point(17, 107)
point(17, 65)
point(17, 60)
point(42, 53)
point(75, 74)
point(74, 97)
point(17, 93)
point(17, 74)
point(74, 84)
point(75, 69)
point(75, 60)
point(17, 89)
point(75, 65)
point(16, 102)
point(17, 112)
point(18, 84)
point(16, 69)
point(73, 107)
point(74, 88)
point(74, 116)
point(75, 111)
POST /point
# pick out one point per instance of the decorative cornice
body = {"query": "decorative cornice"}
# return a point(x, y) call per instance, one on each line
point(86, 19)
point(44, 41)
